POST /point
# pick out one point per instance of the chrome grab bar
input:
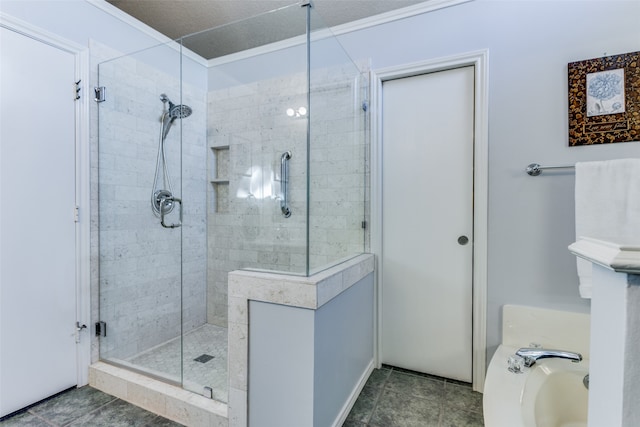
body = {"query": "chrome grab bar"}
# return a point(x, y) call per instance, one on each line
point(168, 201)
point(284, 184)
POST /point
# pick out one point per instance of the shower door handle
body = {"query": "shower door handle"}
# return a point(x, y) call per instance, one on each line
point(164, 200)
point(284, 184)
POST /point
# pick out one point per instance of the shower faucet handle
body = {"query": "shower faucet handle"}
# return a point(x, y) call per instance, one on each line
point(167, 200)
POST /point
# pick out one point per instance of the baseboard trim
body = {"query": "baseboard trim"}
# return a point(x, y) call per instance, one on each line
point(344, 412)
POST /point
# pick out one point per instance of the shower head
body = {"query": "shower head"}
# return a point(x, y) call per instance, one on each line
point(176, 111)
point(179, 111)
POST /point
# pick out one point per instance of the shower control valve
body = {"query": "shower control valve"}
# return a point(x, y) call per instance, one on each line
point(162, 202)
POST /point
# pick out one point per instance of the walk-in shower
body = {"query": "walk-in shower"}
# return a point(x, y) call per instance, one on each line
point(251, 185)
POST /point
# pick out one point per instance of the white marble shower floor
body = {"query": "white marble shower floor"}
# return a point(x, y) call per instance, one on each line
point(164, 360)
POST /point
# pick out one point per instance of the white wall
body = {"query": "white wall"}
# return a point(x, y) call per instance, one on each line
point(281, 350)
point(531, 219)
point(80, 21)
point(343, 348)
point(304, 364)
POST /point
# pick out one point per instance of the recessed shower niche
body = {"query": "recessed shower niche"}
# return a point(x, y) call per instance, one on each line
point(219, 173)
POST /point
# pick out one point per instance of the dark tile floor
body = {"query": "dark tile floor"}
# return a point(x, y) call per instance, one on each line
point(396, 397)
point(392, 397)
point(86, 406)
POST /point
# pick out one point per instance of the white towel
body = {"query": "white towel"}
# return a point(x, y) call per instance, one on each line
point(607, 206)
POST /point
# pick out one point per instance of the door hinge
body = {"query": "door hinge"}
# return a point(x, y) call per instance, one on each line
point(101, 329)
point(364, 225)
point(76, 214)
point(100, 94)
point(76, 90)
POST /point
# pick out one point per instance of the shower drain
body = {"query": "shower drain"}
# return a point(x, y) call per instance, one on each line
point(204, 358)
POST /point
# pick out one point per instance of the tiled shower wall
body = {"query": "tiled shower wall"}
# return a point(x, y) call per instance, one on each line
point(248, 131)
point(140, 261)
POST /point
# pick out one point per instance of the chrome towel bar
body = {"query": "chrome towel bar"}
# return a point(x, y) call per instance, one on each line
point(534, 169)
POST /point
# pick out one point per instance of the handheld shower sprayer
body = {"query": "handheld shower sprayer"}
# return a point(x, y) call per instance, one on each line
point(162, 200)
point(170, 114)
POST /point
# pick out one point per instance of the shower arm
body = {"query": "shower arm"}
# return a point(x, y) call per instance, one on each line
point(167, 200)
point(284, 184)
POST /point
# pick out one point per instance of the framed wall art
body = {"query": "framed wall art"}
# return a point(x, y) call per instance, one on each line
point(604, 100)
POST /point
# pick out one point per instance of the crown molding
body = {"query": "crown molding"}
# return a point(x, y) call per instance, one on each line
point(361, 24)
point(145, 29)
point(394, 15)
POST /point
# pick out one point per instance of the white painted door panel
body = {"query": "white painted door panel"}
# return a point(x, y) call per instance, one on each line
point(427, 205)
point(37, 229)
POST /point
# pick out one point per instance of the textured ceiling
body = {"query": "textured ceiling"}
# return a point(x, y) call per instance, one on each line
point(237, 25)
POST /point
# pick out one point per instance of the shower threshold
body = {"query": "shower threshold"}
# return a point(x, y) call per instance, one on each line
point(151, 379)
point(169, 401)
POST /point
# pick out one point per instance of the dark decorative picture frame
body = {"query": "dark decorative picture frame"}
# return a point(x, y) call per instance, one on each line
point(604, 100)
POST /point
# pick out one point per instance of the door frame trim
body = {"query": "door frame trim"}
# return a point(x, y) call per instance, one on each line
point(82, 178)
point(480, 61)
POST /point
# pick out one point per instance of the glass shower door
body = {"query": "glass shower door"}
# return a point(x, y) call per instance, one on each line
point(140, 212)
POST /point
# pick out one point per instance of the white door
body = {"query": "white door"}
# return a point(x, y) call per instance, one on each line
point(427, 225)
point(37, 228)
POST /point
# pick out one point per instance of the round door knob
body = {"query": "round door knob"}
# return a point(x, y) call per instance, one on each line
point(463, 240)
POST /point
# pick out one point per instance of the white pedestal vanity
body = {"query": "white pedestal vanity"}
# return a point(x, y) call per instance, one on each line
point(615, 331)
